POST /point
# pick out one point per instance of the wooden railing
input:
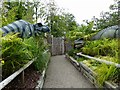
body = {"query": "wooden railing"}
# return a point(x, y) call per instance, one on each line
point(100, 60)
point(11, 77)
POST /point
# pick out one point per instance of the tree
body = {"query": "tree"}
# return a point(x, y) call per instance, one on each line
point(29, 12)
point(12, 11)
point(70, 21)
point(108, 19)
point(54, 18)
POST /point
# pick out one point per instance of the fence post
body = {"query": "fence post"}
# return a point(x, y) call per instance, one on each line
point(23, 77)
point(52, 44)
point(63, 48)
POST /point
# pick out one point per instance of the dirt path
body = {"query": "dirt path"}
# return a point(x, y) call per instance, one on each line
point(62, 74)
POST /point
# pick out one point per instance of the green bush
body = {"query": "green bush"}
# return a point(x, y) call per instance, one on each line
point(16, 52)
point(37, 48)
point(72, 52)
point(105, 73)
point(40, 63)
point(105, 47)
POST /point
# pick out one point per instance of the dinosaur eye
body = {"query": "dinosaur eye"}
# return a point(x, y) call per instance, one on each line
point(45, 29)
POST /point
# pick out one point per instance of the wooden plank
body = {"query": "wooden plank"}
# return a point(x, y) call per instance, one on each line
point(74, 61)
point(11, 77)
point(88, 69)
point(90, 78)
point(89, 74)
point(110, 85)
point(0, 72)
point(100, 60)
point(23, 78)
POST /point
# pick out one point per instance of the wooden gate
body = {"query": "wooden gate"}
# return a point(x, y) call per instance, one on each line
point(57, 45)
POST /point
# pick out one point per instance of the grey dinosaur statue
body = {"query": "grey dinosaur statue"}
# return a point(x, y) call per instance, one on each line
point(24, 28)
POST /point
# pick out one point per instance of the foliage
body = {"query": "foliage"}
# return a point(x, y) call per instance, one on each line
point(81, 32)
point(91, 63)
point(16, 51)
point(41, 63)
point(108, 19)
point(29, 15)
point(12, 11)
point(71, 52)
point(69, 21)
point(59, 21)
point(37, 48)
point(104, 47)
point(14, 54)
point(104, 72)
point(80, 59)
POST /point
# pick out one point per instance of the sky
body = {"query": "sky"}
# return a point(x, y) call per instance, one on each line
point(85, 9)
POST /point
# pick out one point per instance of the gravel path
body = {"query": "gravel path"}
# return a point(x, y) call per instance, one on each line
point(62, 74)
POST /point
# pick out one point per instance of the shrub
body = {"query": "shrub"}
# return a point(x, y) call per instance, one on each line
point(101, 47)
point(14, 53)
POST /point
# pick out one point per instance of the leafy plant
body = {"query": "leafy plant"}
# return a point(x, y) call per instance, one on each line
point(104, 73)
point(40, 63)
point(14, 54)
point(37, 48)
point(105, 47)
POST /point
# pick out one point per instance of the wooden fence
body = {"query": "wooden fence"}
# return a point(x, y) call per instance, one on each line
point(100, 60)
point(58, 45)
point(67, 45)
point(14, 75)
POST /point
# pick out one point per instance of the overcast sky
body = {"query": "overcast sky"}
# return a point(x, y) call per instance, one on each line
point(85, 9)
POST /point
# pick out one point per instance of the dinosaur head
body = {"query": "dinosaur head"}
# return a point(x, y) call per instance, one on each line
point(39, 28)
